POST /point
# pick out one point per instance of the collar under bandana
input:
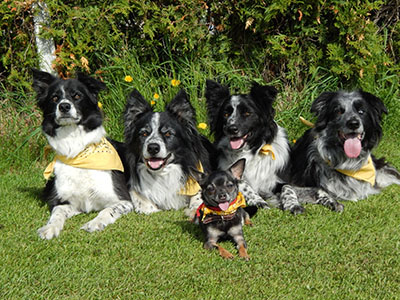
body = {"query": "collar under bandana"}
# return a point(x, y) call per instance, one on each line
point(267, 150)
point(192, 187)
point(98, 156)
point(233, 206)
point(366, 173)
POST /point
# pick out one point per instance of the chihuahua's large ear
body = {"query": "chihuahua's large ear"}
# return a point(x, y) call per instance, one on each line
point(182, 109)
point(237, 168)
point(41, 82)
point(136, 106)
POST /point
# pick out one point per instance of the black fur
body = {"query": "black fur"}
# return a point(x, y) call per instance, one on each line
point(321, 150)
point(176, 133)
point(72, 120)
point(223, 187)
point(241, 125)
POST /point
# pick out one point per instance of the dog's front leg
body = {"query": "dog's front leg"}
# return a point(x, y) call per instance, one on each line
point(108, 216)
point(251, 196)
point(236, 232)
point(142, 204)
point(59, 215)
point(325, 199)
point(290, 201)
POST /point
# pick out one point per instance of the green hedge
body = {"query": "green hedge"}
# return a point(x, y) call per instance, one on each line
point(353, 40)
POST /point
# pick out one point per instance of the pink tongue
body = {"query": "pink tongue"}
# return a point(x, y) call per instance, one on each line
point(155, 163)
point(236, 143)
point(352, 147)
point(223, 206)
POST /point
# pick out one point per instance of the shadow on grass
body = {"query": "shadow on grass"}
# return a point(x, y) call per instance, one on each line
point(191, 229)
point(35, 193)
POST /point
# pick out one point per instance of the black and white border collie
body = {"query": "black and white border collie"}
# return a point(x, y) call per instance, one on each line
point(347, 129)
point(243, 125)
point(163, 149)
point(72, 121)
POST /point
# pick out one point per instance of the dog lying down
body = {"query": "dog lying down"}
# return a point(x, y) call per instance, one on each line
point(88, 172)
point(333, 160)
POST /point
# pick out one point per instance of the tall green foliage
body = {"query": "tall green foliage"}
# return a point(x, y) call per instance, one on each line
point(354, 41)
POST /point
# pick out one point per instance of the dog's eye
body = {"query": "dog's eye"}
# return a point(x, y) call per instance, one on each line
point(77, 96)
point(55, 98)
point(230, 186)
point(360, 112)
point(226, 115)
point(210, 190)
point(339, 111)
point(246, 114)
point(167, 134)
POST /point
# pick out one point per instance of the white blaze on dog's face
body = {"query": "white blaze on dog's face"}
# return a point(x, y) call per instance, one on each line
point(349, 112)
point(66, 112)
point(154, 149)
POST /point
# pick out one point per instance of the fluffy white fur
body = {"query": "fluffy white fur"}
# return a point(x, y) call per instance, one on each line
point(261, 170)
point(86, 190)
point(159, 190)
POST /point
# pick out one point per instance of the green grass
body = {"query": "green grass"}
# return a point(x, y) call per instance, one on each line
point(318, 255)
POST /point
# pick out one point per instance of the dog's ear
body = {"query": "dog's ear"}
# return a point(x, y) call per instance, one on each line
point(136, 106)
point(376, 103)
point(94, 86)
point(237, 168)
point(263, 92)
point(321, 102)
point(181, 108)
point(319, 108)
point(264, 96)
point(198, 175)
point(215, 94)
point(41, 82)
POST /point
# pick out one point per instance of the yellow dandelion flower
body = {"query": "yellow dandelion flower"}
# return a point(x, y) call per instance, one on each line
point(152, 102)
point(202, 126)
point(294, 141)
point(100, 105)
point(156, 96)
point(128, 78)
point(175, 82)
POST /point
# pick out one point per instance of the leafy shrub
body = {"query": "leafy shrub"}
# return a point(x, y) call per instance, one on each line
point(354, 41)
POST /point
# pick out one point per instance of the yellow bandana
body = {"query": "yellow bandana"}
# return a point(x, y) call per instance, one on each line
point(267, 150)
point(98, 156)
point(192, 187)
point(238, 202)
point(366, 173)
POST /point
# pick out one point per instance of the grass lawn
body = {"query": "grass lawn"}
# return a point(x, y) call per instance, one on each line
point(318, 255)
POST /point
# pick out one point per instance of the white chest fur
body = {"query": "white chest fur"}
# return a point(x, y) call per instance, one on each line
point(87, 190)
point(162, 187)
point(261, 170)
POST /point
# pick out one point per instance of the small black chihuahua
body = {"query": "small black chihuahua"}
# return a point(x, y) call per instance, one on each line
point(221, 216)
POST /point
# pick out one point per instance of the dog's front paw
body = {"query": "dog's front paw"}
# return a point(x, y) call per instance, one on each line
point(93, 225)
point(297, 210)
point(49, 231)
point(338, 207)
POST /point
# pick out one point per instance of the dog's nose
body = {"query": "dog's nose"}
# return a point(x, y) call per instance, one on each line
point(153, 148)
point(353, 124)
point(64, 107)
point(233, 129)
point(222, 197)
